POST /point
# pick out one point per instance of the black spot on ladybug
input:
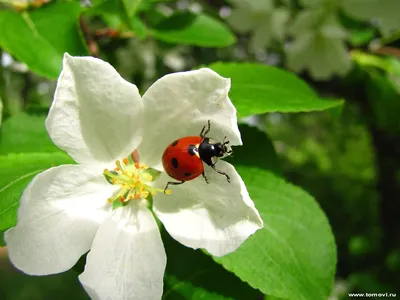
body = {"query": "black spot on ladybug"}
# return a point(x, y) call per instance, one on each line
point(174, 143)
point(192, 149)
point(187, 174)
point(174, 162)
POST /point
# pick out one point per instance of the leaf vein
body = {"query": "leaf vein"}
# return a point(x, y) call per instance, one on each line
point(19, 179)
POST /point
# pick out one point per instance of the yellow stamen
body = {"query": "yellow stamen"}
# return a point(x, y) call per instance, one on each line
point(118, 164)
point(144, 194)
point(133, 179)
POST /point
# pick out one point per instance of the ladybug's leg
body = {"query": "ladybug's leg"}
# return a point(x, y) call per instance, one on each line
point(222, 173)
point(204, 133)
point(172, 183)
point(204, 176)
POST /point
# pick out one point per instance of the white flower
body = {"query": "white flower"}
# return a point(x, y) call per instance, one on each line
point(385, 13)
point(319, 45)
point(98, 119)
point(262, 18)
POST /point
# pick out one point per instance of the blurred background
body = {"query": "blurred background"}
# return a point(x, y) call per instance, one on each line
point(348, 158)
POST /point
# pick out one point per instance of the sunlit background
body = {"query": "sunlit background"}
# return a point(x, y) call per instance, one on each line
point(347, 157)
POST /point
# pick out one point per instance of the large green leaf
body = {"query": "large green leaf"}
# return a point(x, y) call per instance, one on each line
point(34, 152)
point(193, 29)
point(16, 171)
point(1, 111)
point(257, 150)
point(258, 89)
point(58, 23)
point(294, 255)
point(25, 133)
point(40, 37)
point(193, 275)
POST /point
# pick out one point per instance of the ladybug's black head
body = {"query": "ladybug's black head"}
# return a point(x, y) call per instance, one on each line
point(221, 149)
point(209, 149)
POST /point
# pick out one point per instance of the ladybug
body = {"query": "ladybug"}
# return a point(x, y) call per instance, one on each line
point(183, 159)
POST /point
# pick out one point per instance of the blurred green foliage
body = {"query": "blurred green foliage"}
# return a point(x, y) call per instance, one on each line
point(347, 157)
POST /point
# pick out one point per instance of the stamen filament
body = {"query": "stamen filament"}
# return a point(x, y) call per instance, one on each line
point(118, 164)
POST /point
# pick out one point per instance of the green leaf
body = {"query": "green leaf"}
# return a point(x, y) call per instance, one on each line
point(111, 11)
point(191, 274)
point(193, 29)
point(58, 23)
point(371, 60)
point(25, 133)
point(121, 15)
point(1, 112)
point(335, 112)
point(362, 36)
point(262, 151)
point(294, 255)
point(139, 27)
point(384, 100)
point(16, 171)
point(383, 88)
point(131, 6)
point(43, 36)
point(258, 89)
point(146, 5)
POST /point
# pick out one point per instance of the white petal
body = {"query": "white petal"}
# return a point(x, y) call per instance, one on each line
point(180, 104)
point(127, 260)
point(96, 115)
point(59, 214)
point(218, 216)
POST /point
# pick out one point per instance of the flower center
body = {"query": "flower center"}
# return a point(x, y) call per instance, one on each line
point(134, 180)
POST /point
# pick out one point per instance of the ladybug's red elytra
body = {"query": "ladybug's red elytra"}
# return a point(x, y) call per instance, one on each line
point(183, 159)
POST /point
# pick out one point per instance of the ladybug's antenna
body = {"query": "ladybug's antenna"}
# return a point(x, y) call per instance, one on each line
point(224, 143)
